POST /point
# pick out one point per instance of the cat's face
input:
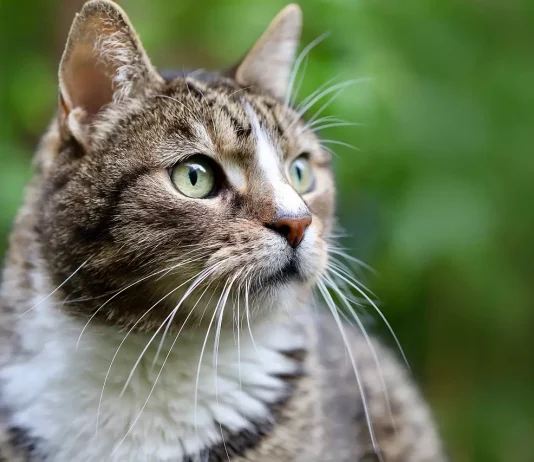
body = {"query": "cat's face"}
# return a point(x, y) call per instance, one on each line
point(183, 191)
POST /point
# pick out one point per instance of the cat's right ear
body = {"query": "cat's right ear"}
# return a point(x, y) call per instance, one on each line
point(104, 63)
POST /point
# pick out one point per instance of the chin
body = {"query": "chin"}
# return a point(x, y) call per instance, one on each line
point(301, 272)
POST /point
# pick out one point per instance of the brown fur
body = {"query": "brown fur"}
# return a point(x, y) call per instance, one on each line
point(102, 205)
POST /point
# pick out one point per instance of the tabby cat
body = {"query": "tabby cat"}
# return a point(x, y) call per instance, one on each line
point(157, 298)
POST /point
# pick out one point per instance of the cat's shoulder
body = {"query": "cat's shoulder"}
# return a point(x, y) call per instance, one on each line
point(369, 397)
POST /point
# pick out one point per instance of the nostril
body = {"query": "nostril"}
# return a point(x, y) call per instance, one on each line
point(291, 228)
point(283, 230)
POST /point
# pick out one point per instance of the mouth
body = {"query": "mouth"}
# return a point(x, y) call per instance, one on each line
point(288, 273)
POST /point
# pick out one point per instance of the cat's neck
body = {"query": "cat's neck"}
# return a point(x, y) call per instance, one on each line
point(109, 392)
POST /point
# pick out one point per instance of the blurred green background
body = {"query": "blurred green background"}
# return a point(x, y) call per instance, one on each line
point(438, 198)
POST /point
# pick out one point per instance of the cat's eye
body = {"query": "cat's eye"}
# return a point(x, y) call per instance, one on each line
point(195, 177)
point(301, 175)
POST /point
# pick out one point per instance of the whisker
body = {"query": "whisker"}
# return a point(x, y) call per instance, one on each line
point(339, 251)
point(297, 64)
point(327, 104)
point(331, 151)
point(193, 251)
point(208, 303)
point(345, 271)
point(216, 351)
point(204, 105)
point(159, 373)
point(299, 84)
point(171, 315)
point(333, 125)
point(169, 323)
point(333, 309)
point(373, 304)
point(122, 342)
point(215, 311)
point(247, 312)
point(315, 93)
point(173, 99)
point(362, 329)
point(237, 91)
point(322, 94)
point(340, 143)
point(238, 326)
point(73, 301)
point(56, 289)
point(165, 270)
point(331, 119)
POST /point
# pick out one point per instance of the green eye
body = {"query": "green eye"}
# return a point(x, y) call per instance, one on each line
point(195, 177)
point(301, 175)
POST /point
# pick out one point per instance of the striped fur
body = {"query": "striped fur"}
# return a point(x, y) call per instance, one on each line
point(101, 286)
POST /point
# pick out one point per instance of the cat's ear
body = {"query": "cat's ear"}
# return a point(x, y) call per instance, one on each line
point(103, 63)
point(270, 61)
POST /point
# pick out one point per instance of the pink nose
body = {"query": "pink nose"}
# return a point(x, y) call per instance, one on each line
point(292, 229)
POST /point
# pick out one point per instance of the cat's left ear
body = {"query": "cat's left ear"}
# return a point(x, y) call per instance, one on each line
point(270, 61)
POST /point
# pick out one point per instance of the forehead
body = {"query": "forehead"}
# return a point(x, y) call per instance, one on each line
point(220, 118)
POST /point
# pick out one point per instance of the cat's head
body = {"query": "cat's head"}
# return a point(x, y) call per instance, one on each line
point(157, 186)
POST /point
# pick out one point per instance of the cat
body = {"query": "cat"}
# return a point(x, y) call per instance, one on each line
point(157, 297)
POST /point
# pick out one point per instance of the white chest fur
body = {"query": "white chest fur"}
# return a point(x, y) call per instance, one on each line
point(166, 411)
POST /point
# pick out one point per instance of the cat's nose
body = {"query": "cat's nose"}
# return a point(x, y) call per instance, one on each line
point(292, 228)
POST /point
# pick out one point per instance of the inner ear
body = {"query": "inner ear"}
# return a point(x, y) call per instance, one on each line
point(87, 83)
point(104, 61)
point(268, 64)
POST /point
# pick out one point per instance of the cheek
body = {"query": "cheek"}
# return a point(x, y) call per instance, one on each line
point(245, 239)
point(251, 251)
point(160, 222)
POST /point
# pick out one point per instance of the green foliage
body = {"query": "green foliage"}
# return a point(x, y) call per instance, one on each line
point(438, 197)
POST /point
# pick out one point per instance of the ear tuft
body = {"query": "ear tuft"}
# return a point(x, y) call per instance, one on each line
point(104, 61)
point(268, 64)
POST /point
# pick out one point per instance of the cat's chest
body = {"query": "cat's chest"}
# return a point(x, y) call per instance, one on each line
point(100, 398)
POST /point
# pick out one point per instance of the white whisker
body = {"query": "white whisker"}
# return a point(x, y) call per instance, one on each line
point(238, 326)
point(175, 100)
point(333, 125)
point(55, 290)
point(338, 251)
point(237, 91)
point(326, 105)
point(215, 311)
point(159, 373)
point(247, 312)
point(299, 84)
point(204, 104)
point(322, 94)
point(362, 329)
point(120, 345)
point(303, 54)
point(314, 93)
point(333, 309)
point(373, 304)
point(165, 270)
point(345, 271)
point(340, 143)
point(330, 119)
point(171, 315)
point(331, 151)
point(190, 290)
point(216, 350)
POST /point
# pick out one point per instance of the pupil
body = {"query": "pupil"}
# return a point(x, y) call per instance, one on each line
point(193, 176)
point(299, 173)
